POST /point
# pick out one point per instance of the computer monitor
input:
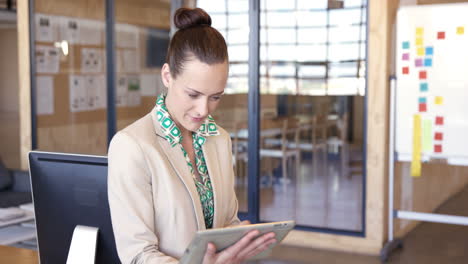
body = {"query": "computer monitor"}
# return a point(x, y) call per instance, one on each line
point(70, 190)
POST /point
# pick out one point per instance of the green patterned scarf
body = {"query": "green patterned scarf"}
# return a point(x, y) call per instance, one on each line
point(174, 137)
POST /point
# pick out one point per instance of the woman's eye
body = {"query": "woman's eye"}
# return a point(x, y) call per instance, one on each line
point(193, 95)
point(215, 98)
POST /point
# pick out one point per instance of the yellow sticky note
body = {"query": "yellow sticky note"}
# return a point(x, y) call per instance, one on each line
point(419, 41)
point(460, 30)
point(419, 31)
point(420, 51)
point(427, 135)
point(416, 159)
point(439, 100)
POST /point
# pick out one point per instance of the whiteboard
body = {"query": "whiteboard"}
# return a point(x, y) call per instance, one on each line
point(432, 80)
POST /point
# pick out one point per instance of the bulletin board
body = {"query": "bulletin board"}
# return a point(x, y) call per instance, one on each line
point(432, 84)
point(71, 79)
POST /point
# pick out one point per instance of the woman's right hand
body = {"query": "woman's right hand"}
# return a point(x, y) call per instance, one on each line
point(247, 247)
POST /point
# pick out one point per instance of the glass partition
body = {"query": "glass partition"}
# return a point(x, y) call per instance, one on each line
point(312, 101)
point(70, 76)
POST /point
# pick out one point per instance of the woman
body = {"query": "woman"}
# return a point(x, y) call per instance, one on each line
point(170, 172)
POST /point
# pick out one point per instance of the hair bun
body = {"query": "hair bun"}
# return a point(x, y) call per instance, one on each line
point(188, 17)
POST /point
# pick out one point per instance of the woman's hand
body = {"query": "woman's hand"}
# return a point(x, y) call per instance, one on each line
point(247, 247)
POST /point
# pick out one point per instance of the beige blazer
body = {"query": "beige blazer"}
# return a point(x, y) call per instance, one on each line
point(154, 204)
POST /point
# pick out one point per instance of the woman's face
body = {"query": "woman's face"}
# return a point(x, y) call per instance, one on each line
point(195, 92)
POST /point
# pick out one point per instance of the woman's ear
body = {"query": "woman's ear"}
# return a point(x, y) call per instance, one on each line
point(166, 75)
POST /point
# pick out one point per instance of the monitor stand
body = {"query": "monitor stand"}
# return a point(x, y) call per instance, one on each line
point(83, 245)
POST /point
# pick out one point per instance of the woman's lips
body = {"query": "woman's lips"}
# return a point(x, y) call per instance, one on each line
point(195, 119)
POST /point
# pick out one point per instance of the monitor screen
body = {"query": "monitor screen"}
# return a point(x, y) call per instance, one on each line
point(70, 190)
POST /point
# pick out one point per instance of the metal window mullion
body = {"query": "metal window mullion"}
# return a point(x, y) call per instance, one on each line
point(254, 117)
point(110, 70)
point(32, 68)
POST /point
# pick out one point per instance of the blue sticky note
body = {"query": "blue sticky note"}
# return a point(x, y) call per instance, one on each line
point(423, 87)
point(405, 44)
point(429, 51)
point(422, 100)
point(427, 62)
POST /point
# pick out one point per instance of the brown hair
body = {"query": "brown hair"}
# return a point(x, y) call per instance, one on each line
point(195, 37)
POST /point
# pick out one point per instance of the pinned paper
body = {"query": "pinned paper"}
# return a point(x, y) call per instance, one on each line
point(419, 41)
point(418, 62)
point(45, 95)
point(422, 75)
point(405, 45)
point(428, 62)
point(47, 59)
point(419, 31)
point(439, 100)
point(460, 30)
point(405, 56)
point(441, 35)
point(70, 30)
point(438, 136)
point(420, 51)
point(416, 159)
point(429, 51)
point(423, 87)
point(46, 28)
point(78, 94)
point(91, 60)
point(422, 107)
point(427, 135)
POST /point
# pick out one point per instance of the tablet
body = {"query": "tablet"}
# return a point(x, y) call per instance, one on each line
point(225, 237)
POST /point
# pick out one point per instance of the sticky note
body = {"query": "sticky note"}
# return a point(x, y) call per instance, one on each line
point(439, 120)
point(441, 35)
point(405, 56)
point(427, 135)
point(418, 62)
point(438, 136)
point(420, 51)
point(429, 50)
point(423, 87)
point(422, 107)
point(422, 75)
point(438, 148)
point(422, 100)
point(419, 31)
point(439, 100)
point(428, 62)
point(416, 156)
point(460, 30)
point(405, 45)
point(405, 70)
point(419, 42)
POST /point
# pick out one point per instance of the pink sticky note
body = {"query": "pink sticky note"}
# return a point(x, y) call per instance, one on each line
point(418, 62)
point(405, 56)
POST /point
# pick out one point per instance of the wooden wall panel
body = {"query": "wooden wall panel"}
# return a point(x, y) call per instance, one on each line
point(22, 15)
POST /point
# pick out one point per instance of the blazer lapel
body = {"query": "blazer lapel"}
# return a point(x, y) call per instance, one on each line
point(177, 160)
point(211, 158)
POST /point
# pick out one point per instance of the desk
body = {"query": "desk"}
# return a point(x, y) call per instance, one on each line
point(18, 255)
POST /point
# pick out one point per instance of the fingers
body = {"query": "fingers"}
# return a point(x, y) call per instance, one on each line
point(245, 222)
point(258, 245)
point(210, 254)
point(260, 248)
point(242, 243)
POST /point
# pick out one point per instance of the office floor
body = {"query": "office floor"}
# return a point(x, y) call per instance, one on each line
point(319, 196)
point(429, 243)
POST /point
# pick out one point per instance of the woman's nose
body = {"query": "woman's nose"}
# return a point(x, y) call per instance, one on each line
point(202, 108)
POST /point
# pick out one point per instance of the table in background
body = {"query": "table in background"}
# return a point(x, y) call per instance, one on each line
point(18, 255)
